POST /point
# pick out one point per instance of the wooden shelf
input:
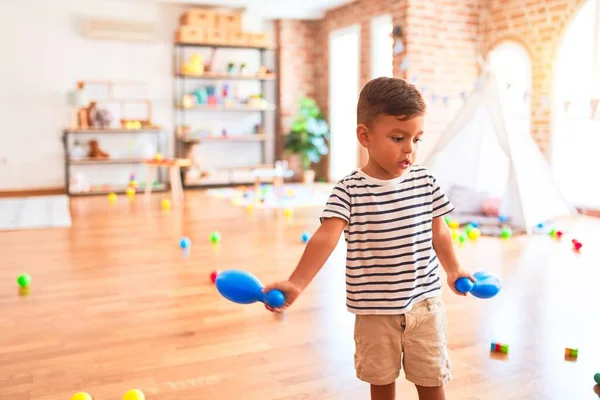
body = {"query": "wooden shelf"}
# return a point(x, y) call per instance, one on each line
point(224, 46)
point(92, 161)
point(112, 130)
point(229, 138)
point(223, 76)
point(223, 107)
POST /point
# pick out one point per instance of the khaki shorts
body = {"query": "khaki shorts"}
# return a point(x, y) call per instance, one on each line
point(417, 339)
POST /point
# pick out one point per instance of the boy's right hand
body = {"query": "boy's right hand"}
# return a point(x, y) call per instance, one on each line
point(290, 290)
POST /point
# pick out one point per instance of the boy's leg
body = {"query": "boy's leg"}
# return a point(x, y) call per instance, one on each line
point(426, 361)
point(431, 393)
point(378, 352)
point(383, 392)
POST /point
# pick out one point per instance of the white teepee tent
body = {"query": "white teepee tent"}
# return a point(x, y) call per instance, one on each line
point(485, 151)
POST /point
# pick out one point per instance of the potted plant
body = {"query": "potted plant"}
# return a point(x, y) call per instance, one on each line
point(308, 137)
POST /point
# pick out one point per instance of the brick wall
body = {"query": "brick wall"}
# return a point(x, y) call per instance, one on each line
point(442, 45)
point(443, 41)
point(538, 25)
point(296, 69)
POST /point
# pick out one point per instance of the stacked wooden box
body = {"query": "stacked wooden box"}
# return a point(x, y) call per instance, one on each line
point(205, 26)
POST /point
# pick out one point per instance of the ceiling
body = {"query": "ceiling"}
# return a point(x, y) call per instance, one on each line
point(272, 9)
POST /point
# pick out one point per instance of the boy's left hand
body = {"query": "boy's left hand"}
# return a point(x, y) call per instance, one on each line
point(454, 276)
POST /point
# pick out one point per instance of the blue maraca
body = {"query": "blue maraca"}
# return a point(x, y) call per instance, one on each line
point(486, 285)
point(244, 288)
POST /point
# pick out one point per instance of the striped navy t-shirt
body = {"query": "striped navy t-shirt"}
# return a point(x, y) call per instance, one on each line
point(390, 261)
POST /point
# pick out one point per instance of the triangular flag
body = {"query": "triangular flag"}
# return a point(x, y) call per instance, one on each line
point(567, 104)
point(433, 97)
point(414, 79)
point(445, 100)
point(593, 107)
point(478, 83)
point(404, 65)
point(508, 85)
point(398, 47)
point(423, 89)
point(526, 96)
point(463, 95)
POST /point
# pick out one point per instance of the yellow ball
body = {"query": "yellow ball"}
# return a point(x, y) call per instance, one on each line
point(166, 204)
point(454, 224)
point(158, 157)
point(134, 394)
point(81, 396)
point(455, 234)
point(250, 208)
point(288, 212)
point(474, 234)
point(130, 192)
point(112, 197)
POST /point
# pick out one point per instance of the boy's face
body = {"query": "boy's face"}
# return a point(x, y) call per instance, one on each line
point(392, 143)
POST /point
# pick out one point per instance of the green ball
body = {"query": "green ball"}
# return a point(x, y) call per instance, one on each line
point(597, 378)
point(24, 280)
point(462, 238)
point(469, 228)
point(215, 237)
point(505, 233)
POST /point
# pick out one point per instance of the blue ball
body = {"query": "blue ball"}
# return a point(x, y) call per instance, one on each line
point(474, 224)
point(185, 242)
point(305, 236)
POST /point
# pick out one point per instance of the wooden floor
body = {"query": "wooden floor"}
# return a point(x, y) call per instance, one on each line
point(114, 304)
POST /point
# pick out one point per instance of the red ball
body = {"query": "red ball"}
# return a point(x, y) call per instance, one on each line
point(578, 246)
point(213, 276)
point(558, 234)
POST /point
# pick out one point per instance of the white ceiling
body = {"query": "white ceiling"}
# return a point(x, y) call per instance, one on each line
point(272, 9)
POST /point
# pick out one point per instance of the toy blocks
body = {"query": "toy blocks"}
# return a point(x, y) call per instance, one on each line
point(499, 348)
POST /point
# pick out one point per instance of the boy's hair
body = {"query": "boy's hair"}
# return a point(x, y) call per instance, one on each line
point(389, 96)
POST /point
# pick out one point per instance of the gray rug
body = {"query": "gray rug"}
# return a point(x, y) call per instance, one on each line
point(35, 212)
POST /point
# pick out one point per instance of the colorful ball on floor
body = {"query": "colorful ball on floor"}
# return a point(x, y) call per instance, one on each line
point(24, 280)
point(455, 233)
point(130, 192)
point(166, 204)
point(453, 224)
point(288, 212)
point(112, 198)
point(462, 238)
point(185, 242)
point(474, 233)
point(81, 396)
point(597, 378)
point(305, 236)
point(134, 394)
point(506, 233)
point(215, 237)
point(213, 276)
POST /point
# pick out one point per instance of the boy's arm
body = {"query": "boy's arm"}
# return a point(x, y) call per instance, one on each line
point(317, 251)
point(444, 249)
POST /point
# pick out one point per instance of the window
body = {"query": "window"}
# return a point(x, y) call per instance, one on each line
point(576, 128)
point(512, 67)
point(382, 45)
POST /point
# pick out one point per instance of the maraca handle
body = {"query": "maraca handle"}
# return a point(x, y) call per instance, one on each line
point(464, 285)
point(274, 298)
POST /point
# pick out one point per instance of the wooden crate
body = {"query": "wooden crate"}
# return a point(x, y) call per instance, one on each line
point(258, 39)
point(192, 34)
point(237, 38)
point(217, 36)
point(199, 18)
point(228, 22)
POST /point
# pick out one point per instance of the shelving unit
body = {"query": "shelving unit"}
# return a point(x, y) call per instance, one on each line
point(69, 161)
point(187, 145)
